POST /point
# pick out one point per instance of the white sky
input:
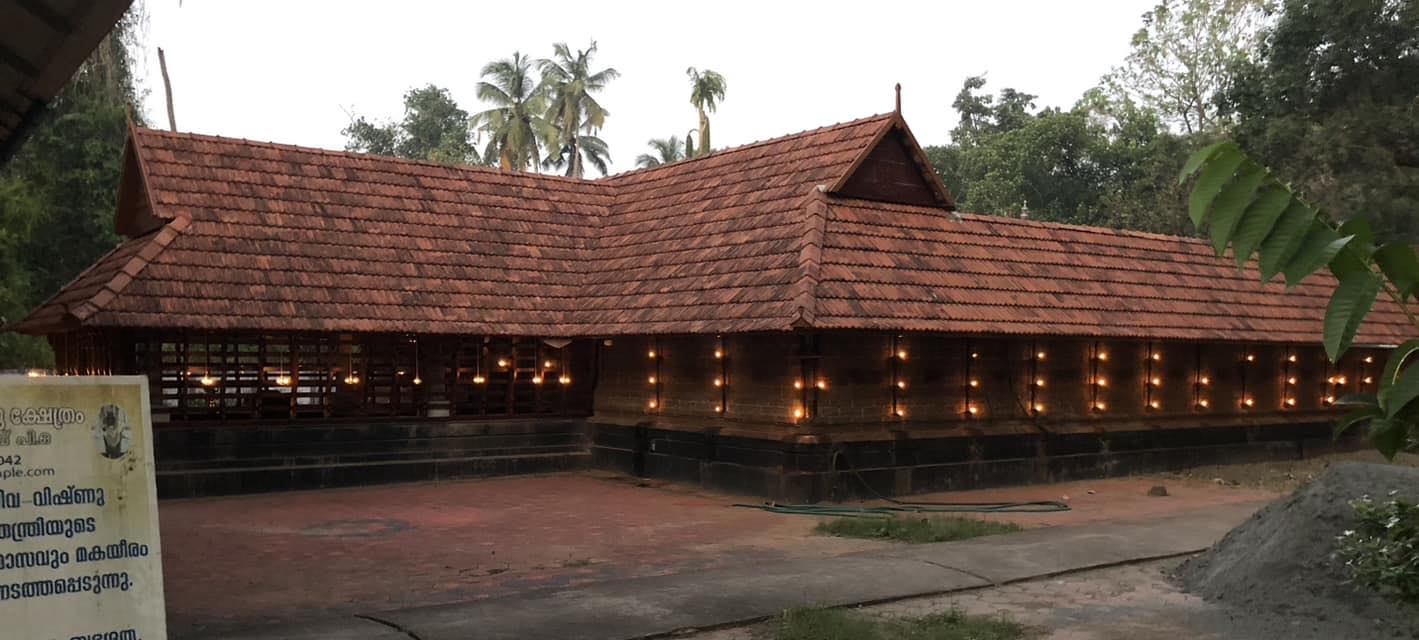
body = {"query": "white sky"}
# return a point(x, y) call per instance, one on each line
point(287, 71)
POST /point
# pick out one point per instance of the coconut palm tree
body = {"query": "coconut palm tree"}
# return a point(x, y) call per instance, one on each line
point(572, 110)
point(666, 151)
point(590, 150)
point(515, 125)
point(706, 92)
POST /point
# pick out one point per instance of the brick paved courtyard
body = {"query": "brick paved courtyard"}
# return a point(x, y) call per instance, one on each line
point(246, 560)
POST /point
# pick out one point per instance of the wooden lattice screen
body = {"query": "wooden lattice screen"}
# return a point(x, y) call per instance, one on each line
point(201, 376)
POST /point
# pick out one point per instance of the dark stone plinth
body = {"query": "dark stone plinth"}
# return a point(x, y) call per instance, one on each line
point(219, 459)
point(798, 472)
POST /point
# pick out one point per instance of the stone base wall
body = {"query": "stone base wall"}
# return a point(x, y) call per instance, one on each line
point(824, 471)
point(217, 459)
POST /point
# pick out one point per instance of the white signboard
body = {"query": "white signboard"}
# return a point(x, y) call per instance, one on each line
point(79, 552)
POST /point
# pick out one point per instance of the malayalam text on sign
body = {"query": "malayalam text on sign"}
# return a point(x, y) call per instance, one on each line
point(79, 552)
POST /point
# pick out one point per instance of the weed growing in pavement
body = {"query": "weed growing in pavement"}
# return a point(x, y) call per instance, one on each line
point(812, 623)
point(914, 529)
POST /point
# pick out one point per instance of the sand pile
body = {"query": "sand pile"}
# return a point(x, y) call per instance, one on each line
point(1278, 565)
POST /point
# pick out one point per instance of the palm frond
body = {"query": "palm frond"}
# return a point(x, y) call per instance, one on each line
point(706, 88)
point(571, 116)
point(515, 123)
point(666, 151)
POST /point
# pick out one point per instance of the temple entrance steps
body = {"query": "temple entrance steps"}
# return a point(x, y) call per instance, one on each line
point(219, 459)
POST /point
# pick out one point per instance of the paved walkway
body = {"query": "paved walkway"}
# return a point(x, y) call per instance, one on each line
point(661, 605)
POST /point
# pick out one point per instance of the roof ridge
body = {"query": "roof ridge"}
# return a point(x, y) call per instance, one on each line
point(155, 245)
point(991, 234)
point(108, 291)
point(360, 154)
point(19, 324)
point(496, 171)
point(810, 257)
point(1088, 228)
point(749, 145)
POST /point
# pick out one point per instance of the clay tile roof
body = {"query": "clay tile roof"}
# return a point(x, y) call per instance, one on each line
point(840, 227)
point(275, 237)
point(900, 267)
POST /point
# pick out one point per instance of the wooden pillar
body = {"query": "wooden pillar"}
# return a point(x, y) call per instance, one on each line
point(656, 355)
point(894, 378)
point(721, 356)
point(969, 386)
point(293, 371)
point(809, 380)
point(435, 355)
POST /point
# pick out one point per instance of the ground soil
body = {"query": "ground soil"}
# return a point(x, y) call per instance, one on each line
point(1279, 565)
point(1282, 476)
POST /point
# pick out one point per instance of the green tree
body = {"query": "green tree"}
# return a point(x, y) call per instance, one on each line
point(1139, 158)
point(434, 128)
point(515, 125)
point(664, 151)
point(1099, 163)
point(20, 210)
point(1331, 102)
point(706, 92)
point(364, 136)
point(58, 193)
point(573, 111)
point(1180, 59)
point(983, 115)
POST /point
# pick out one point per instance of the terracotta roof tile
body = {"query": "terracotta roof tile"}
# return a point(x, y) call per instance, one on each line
point(267, 236)
point(889, 266)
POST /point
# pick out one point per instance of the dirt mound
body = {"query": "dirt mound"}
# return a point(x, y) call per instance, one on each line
point(1278, 565)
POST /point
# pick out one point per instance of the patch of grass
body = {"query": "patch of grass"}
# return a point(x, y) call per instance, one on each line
point(838, 624)
point(914, 529)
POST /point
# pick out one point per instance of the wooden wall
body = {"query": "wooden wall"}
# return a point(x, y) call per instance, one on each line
point(824, 382)
point(756, 374)
point(846, 379)
point(201, 376)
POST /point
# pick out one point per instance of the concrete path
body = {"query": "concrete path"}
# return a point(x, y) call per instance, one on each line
point(660, 605)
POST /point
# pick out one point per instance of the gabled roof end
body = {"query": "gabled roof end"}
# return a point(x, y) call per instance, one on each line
point(893, 168)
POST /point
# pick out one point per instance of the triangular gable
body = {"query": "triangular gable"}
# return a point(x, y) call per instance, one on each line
point(894, 169)
point(134, 215)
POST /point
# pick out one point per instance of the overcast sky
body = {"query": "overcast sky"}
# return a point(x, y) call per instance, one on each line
point(290, 71)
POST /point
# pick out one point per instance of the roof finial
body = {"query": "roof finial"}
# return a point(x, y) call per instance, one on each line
point(898, 110)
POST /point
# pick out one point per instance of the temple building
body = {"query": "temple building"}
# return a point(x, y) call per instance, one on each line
point(806, 318)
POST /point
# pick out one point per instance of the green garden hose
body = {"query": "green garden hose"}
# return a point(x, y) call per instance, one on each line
point(898, 508)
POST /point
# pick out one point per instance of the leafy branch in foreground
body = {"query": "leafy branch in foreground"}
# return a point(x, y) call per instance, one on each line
point(1249, 209)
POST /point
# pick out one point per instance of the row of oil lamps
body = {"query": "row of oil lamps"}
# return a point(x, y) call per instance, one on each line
point(1097, 381)
point(352, 378)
